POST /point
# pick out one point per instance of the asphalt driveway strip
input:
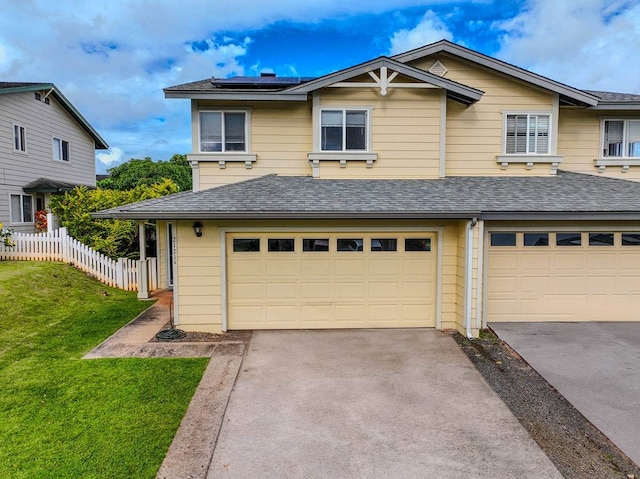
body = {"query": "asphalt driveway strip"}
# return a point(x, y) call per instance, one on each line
point(577, 448)
point(367, 404)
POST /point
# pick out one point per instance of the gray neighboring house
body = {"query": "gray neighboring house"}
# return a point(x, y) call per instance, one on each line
point(46, 147)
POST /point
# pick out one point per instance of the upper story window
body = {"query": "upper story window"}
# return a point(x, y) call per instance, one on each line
point(621, 139)
point(21, 209)
point(60, 150)
point(343, 130)
point(527, 134)
point(19, 138)
point(223, 131)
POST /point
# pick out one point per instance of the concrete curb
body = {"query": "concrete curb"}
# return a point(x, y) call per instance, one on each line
point(191, 451)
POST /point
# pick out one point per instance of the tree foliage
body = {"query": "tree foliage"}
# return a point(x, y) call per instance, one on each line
point(115, 238)
point(137, 172)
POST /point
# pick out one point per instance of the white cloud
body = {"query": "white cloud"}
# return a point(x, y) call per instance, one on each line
point(113, 156)
point(430, 29)
point(591, 44)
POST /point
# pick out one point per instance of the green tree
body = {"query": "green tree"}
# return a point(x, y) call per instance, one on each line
point(114, 238)
point(136, 172)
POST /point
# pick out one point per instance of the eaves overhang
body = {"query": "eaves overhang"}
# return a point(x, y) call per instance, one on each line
point(568, 94)
point(618, 106)
point(561, 215)
point(281, 215)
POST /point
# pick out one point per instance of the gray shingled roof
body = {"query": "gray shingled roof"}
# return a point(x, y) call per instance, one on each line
point(613, 97)
point(565, 195)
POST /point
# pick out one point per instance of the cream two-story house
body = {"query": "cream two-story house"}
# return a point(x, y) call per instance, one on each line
point(46, 147)
point(437, 188)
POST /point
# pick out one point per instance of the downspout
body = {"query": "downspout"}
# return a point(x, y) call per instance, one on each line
point(468, 274)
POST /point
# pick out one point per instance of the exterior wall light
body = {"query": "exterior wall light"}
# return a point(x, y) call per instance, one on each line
point(197, 228)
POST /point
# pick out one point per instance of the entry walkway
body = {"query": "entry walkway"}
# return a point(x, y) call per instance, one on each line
point(595, 366)
point(366, 404)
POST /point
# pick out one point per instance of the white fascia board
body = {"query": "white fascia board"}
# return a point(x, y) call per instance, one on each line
point(616, 106)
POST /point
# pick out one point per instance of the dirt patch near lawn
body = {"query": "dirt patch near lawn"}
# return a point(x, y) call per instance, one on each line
point(576, 447)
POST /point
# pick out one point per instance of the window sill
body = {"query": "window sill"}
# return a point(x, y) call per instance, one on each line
point(223, 158)
point(530, 160)
point(342, 156)
point(625, 163)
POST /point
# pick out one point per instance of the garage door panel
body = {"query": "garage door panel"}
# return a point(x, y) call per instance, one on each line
point(329, 289)
point(282, 290)
point(564, 283)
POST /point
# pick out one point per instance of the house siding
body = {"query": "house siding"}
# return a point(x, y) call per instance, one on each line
point(42, 123)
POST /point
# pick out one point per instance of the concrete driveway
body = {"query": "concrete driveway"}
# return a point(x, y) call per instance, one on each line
point(368, 404)
point(595, 366)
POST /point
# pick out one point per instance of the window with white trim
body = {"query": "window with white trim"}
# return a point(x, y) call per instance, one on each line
point(19, 138)
point(21, 209)
point(621, 138)
point(343, 130)
point(60, 150)
point(527, 134)
point(223, 131)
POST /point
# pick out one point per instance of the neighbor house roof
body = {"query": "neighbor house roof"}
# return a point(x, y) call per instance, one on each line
point(566, 195)
point(21, 87)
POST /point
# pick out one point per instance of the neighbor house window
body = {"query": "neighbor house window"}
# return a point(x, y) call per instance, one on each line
point(621, 138)
point(527, 134)
point(222, 131)
point(19, 138)
point(343, 130)
point(21, 209)
point(60, 150)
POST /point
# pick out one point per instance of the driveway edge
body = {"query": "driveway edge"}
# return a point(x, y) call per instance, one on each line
point(191, 451)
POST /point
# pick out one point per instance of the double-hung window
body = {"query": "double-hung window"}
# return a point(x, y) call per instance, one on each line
point(223, 131)
point(19, 138)
point(343, 130)
point(21, 209)
point(60, 150)
point(621, 139)
point(527, 134)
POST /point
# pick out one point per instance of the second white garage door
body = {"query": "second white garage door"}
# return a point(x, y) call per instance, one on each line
point(316, 280)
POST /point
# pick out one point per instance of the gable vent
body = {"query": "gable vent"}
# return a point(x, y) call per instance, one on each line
point(438, 69)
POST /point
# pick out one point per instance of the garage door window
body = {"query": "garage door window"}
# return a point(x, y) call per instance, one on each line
point(384, 244)
point(315, 244)
point(536, 239)
point(600, 239)
point(417, 244)
point(281, 244)
point(241, 245)
point(568, 239)
point(630, 239)
point(503, 239)
point(350, 244)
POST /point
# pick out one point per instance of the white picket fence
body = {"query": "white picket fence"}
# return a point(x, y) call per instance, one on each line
point(59, 246)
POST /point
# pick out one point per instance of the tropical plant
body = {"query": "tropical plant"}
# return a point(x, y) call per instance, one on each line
point(137, 172)
point(5, 236)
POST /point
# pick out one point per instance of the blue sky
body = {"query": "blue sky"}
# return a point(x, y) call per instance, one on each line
point(112, 59)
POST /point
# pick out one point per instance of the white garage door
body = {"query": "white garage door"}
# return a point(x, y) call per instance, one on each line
point(315, 280)
point(563, 276)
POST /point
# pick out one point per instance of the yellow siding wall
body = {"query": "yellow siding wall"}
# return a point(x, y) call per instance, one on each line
point(199, 288)
point(162, 248)
point(579, 141)
point(198, 280)
point(474, 133)
point(405, 132)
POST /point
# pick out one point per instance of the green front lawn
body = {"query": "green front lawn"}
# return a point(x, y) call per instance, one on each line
point(64, 417)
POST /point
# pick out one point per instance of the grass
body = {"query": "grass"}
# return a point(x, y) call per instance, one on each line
point(64, 417)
